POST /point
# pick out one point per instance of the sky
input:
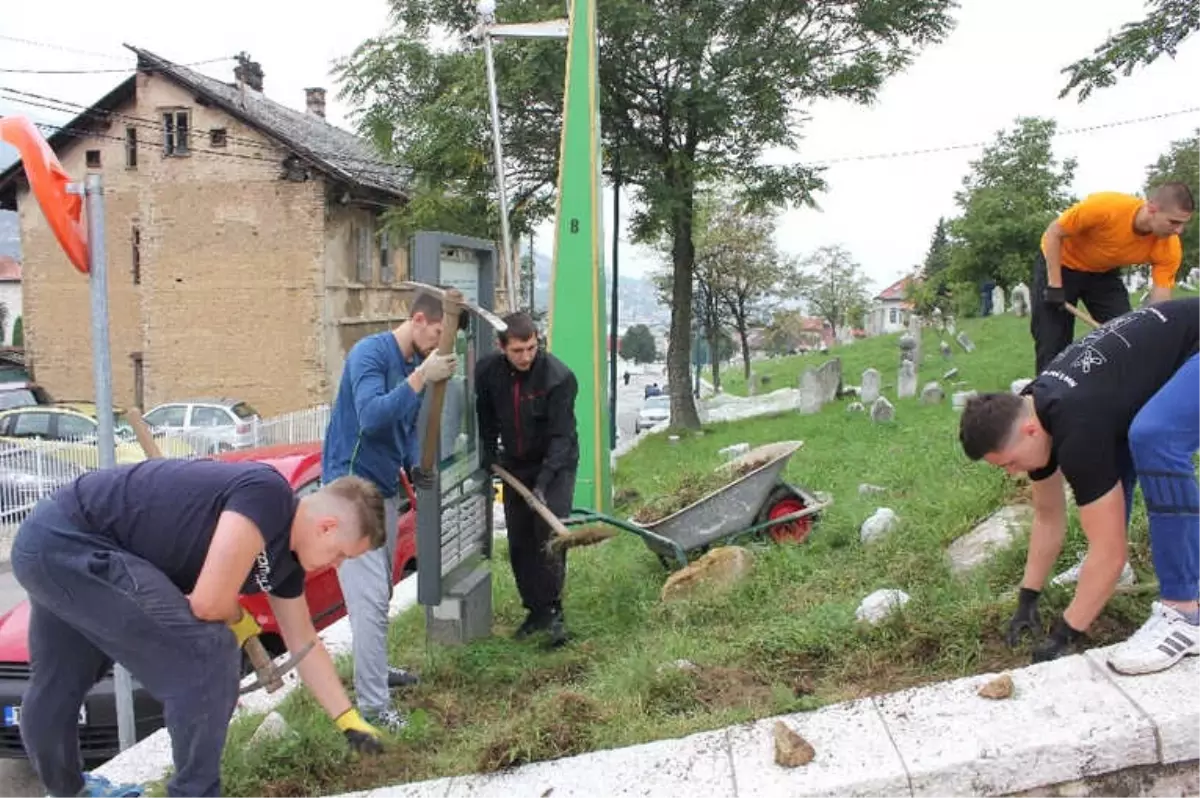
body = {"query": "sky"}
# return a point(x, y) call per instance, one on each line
point(1002, 61)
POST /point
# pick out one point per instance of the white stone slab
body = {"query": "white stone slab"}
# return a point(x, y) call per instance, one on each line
point(695, 765)
point(436, 788)
point(1170, 698)
point(1064, 722)
point(854, 755)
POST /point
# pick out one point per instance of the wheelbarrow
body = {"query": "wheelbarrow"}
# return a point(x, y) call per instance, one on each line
point(756, 502)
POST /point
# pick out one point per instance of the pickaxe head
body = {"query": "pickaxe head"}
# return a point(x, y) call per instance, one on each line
point(458, 299)
point(273, 680)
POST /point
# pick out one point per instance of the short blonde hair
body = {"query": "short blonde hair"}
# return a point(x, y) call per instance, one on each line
point(365, 503)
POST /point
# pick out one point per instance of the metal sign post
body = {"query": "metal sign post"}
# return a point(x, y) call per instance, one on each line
point(102, 370)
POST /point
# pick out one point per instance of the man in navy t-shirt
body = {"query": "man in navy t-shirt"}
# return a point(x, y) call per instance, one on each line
point(143, 565)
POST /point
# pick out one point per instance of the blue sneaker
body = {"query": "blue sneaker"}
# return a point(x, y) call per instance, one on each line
point(94, 785)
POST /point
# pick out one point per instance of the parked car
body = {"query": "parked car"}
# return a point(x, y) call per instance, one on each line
point(23, 394)
point(26, 476)
point(655, 410)
point(223, 424)
point(69, 431)
point(301, 464)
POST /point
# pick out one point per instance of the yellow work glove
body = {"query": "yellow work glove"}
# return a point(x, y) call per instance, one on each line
point(245, 628)
point(362, 736)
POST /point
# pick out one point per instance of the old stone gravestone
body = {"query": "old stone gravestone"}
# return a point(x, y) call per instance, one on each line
point(810, 392)
point(932, 393)
point(964, 341)
point(870, 385)
point(906, 383)
point(997, 300)
point(830, 377)
point(1020, 300)
point(947, 353)
point(882, 410)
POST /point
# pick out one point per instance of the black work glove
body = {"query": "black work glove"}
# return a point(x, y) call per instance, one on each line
point(1054, 297)
point(422, 479)
point(1026, 618)
point(1060, 639)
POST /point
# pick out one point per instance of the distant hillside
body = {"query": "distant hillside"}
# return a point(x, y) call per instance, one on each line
point(639, 304)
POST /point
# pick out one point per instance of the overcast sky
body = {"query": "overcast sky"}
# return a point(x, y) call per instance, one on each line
point(1002, 61)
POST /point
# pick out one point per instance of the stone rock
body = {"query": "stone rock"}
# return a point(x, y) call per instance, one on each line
point(881, 522)
point(673, 439)
point(1019, 385)
point(866, 489)
point(718, 570)
point(965, 341)
point(959, 399)
point(272, 727)
point(951, 374)
point(882, 410)
point(810, 392)
point(855, 407)
point(999, 688)
point(1019, 301)
point(997, 532)
point(791, 750)
point(947, 352)
point(906, 383)
point(950, 325)
point(679, 665)
point(932, 393)
point(1126, 580)
point(997, 300)
point(829, 375)
point(880, 604)
point(734, 451)
point(870, 386)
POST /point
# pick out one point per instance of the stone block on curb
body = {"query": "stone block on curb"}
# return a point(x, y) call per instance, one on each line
point(694, 765)
point(854, 755)
point(1064, 722)
point(1169, 699)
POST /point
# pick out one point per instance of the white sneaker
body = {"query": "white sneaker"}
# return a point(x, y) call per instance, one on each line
point(1165, 638)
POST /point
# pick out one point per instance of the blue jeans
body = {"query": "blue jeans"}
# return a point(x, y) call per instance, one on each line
point(93, 603)
point(1164, 436)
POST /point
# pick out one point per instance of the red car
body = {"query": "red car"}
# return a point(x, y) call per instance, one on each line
point(301, 464)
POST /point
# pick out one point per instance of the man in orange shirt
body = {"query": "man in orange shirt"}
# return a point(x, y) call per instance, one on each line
point(1083, 249)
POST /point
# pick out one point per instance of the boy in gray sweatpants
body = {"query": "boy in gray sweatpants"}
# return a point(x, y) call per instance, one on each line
point(372, 434)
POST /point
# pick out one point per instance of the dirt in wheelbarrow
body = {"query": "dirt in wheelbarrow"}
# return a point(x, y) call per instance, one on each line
point(694, 488)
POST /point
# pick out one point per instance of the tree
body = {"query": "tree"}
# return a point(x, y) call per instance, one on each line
point(3, 320)
point(19, 332)
point(638, 344)
point(832, 284)
point(690, 94)
point(1181, 162)
point(1009, 197)
point(1165, 26)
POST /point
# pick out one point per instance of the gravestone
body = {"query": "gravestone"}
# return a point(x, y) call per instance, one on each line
point(829, 375)
point(964, 341)
point(906, 383)
point(1019, 301)
point(870, 386)
point(932, 393)
point(939, 321)
point(810, 392)
point(959, 399)
point(882, 410)
point(997, 300)
point(951, 374)
point(907, 345)
point(950, 327)
point(947, 352)
point(914, 329)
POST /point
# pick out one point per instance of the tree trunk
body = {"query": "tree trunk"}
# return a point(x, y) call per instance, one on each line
point(744, 335)
point(683, 256)
point(714, 341)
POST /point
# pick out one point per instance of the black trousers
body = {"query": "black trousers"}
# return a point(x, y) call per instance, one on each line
point(539, 574)
point(1102, 293)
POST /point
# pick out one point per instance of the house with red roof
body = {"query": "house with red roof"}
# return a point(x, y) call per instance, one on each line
point(890, 310)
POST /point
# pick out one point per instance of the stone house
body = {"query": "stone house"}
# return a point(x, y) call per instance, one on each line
point(243, 255)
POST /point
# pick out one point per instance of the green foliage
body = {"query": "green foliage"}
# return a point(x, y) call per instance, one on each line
point(19, 332)
point(1012, 193)
point(637, 344)
point(833, 286)
point(1181, 162)
point(1165, 26)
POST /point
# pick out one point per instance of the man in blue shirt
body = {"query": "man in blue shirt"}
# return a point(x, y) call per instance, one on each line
point(372, 434)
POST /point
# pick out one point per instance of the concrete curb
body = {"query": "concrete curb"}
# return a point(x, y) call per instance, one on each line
point(1068, 720)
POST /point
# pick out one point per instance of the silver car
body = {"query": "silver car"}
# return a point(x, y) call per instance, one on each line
point(218, 424)
point(655, 411)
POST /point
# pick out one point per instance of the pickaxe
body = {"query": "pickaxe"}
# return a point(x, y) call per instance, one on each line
point(453, 304)
point(268, 675)
point(1081, 314)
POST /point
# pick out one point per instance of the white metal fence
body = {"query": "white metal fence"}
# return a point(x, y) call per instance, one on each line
point(33, 468)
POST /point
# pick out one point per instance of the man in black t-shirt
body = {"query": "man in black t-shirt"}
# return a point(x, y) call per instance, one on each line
point(143, 565)
point(1118, 407)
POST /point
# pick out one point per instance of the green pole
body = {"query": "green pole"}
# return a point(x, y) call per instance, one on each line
point(577, 330)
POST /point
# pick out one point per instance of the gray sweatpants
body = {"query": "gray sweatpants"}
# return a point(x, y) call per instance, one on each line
point(367, 587)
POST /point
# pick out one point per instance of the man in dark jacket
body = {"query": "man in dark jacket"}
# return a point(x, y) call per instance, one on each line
point(525, 401)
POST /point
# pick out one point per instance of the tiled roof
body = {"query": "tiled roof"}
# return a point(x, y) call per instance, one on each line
point(10, 269)
point(895, 290)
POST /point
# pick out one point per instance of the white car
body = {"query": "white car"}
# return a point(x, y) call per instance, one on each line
point(224, 424)
point(655, 411)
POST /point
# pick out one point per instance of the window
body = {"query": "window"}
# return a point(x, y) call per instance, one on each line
point(73, 428)
point(362, 260)
point(168, 416)
point(892, 316)
point(136, 253)
point(31, 425)
point(386, 275)
point(131, 148)
point(93, 159)
point(176, 128)
point(217, 137)
point(139, 379)
point(209, 417)
point(244, 411)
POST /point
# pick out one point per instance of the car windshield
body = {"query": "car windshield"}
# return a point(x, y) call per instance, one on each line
point(243, 410)
point(122, 428)
point(658, 403)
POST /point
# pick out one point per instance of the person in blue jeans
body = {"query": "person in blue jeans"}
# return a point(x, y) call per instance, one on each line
point(373, 434)
point(143, 565)
point(1119, 407)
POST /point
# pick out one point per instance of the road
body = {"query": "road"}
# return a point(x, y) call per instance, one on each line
point(16, 777)
point(630, 398)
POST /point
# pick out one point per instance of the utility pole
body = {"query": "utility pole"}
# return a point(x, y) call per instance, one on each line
point(615, 346)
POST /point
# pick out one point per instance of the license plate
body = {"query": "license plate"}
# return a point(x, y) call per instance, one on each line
point(12, 715)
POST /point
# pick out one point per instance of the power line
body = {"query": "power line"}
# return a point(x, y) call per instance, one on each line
point(62, 48)
point(10, 71)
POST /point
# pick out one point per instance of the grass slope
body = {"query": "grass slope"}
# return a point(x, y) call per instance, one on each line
point(784, 640)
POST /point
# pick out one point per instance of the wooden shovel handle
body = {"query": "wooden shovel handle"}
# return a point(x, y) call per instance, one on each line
point(451, 309)
point(1081, 314)
point(263, 665)
point(144, 437)
point(550, 518)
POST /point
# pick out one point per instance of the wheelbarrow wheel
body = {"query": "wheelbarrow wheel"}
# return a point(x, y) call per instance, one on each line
point(784, 500)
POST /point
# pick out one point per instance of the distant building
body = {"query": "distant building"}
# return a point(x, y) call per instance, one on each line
point(890, 310)
point(10, 296)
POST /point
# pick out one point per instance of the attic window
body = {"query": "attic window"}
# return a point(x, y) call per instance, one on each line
point(217, 137)
point(93, 159)
point(176, 130)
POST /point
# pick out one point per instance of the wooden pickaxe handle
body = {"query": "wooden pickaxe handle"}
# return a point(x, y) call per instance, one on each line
point(550, 518)
point(451, 308)
point(142, 430)
point(1081, 314)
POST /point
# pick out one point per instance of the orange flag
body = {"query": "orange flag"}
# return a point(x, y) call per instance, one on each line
point(49, 180)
